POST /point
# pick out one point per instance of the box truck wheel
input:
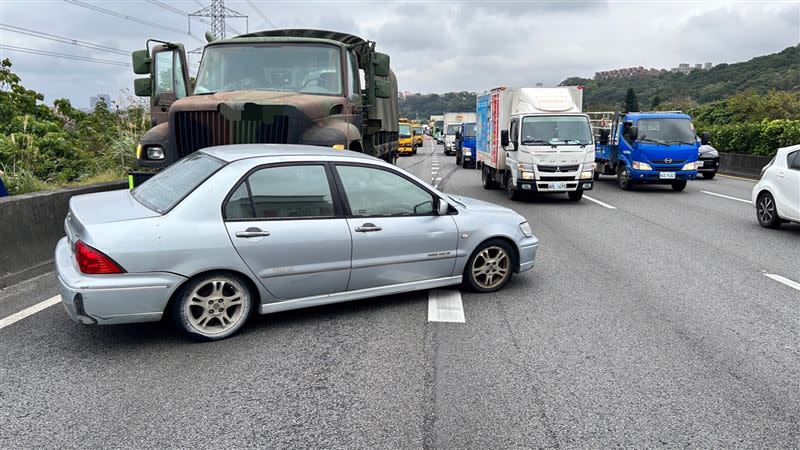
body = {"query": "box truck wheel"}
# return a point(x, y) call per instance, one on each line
point(575, 196)
point(678, 185)
point(623, 178)
point(596, 175)
point(486, 178)
point(511, 189)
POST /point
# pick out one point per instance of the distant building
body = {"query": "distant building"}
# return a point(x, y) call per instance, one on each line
point(95, 99)
point(686, 68)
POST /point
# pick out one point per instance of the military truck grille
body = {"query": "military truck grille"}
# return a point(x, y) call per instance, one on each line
point(199, 129)
point(559, 168)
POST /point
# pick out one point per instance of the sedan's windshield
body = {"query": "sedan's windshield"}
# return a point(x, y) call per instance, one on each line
point(405, 130)
point(470, 129)
point(307, 68)
point(666, 131)
point(556, 130)
point(452, 128)
point(167, 188)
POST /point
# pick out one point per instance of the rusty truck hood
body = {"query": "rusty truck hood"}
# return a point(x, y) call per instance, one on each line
point(313, 106)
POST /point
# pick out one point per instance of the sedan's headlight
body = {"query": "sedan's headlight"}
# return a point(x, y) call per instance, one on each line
point(526, 229)
point(690, 166)
point(641, 166)
point(155, 152)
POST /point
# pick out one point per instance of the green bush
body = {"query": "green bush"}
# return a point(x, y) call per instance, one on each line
point(757, 138)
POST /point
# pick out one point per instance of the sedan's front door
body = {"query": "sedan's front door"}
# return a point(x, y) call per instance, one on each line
point(397, 236)
point(288, 228)
point(790, 185)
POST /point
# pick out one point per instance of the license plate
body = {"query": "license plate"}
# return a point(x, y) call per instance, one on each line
point(557, 186)
point(667, 175)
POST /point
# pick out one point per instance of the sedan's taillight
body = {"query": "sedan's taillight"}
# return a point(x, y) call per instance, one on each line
point(94, 262)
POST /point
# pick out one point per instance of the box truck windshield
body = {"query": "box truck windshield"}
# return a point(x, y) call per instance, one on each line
point(452, 128)
point(556, 130)
point(470, 129)
point(666, 131)
point(405, 130)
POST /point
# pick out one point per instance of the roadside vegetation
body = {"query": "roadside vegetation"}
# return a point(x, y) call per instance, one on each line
point(45, 147)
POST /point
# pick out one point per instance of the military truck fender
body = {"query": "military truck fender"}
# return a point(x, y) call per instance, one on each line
point(156, 136)
point(330, 134)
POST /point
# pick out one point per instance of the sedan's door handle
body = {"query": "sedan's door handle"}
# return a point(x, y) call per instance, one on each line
point(368, 227)
point(251, 233)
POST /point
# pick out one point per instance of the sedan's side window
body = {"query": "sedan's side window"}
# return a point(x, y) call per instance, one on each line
point(376, 192)
point(794, 160)
point(283, 192)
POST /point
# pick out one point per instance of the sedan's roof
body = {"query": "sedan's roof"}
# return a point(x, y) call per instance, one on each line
point(230, 153)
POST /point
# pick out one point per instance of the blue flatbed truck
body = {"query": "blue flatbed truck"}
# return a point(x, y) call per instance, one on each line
point(648, 148)
point(466, 152)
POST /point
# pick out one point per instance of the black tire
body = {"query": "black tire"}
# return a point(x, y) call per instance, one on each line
point(678, 185)
point(766, 211)
point(709, 175)
point(464, 164)
point(575, 196)
point(504, 266)
point(511, 190)
point(623, 179)
point(596, 175)
point(204, 295)
point(486, 178)
point(458, 160)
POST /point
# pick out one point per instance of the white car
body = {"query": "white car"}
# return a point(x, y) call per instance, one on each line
point(777, 194)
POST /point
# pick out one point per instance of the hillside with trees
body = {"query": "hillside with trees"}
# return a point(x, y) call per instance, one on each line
point(422, 106)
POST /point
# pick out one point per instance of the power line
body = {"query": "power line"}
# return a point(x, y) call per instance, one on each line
point(65, 40)
point(260, 14)
point(168, 7)
point(63, 55)
point(127, 17)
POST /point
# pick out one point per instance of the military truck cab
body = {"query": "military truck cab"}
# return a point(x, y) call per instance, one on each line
point(310, 87)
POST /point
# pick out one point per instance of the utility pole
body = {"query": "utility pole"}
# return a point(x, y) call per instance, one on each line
point(218, 13)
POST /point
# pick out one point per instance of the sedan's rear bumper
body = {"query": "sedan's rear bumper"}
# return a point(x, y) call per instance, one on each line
point(110, 299)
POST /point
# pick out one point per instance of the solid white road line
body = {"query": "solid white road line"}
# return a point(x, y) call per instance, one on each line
point(445, 306)
point(737, 178)
point(29, 311)
point(784, 280)
point(604, 204)
point(728, 197)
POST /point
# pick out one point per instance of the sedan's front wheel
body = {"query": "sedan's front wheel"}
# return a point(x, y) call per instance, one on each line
point(213, 306)
point(490, 266)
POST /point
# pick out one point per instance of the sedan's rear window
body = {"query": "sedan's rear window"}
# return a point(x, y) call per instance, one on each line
point(165, 190)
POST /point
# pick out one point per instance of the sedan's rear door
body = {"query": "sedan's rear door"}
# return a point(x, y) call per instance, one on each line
point(397, 236)
point(288, 227)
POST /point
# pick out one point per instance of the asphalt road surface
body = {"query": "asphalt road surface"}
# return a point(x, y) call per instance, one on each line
point(652, 318)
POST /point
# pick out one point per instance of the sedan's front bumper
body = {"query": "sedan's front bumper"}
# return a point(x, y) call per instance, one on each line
point(527, 254)
point(111, 299)
point(709, 165)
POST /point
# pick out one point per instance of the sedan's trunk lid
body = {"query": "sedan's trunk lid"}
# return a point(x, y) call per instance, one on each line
point(86, 211)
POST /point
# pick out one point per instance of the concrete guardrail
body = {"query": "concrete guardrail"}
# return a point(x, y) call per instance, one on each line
point(748, 166)
point(30, 227)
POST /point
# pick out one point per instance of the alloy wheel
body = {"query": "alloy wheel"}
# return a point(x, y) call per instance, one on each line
point(766, 209)
point(216, 306)
point(491, 267)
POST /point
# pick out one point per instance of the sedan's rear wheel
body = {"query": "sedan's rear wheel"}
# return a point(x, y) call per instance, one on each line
point(766, 212)
point(490, 266)
point(213, 306)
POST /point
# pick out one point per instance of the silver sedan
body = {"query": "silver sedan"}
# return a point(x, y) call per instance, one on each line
point(229, 230)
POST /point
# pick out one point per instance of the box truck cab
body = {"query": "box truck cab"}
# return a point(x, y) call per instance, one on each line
point(406, 134)
point(466, 153)
point(649, 147)
point(452, 124)
point(535, 140)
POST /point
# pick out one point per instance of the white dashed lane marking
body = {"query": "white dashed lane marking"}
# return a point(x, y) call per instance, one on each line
point(728, 197)
point(445, 306)
point(29, 311)
point(603, 204)
point(784, 280)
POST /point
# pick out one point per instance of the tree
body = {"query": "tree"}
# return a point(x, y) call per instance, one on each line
point(631, 101)
point(656, 102)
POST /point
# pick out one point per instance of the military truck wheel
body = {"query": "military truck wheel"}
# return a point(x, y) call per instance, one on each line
point(623, 178)
point(678, 185)
point(486, 178)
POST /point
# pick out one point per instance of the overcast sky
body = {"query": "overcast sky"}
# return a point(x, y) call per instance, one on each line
point(434, 46)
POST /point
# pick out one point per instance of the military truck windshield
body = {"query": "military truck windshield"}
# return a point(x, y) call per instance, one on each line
point(405, 130)
point(306, 68)
point(556, 130)
point(666, 131)
point(470, 129)
point(452, 128)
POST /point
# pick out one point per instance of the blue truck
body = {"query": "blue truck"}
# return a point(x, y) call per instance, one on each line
point(648, 148)
point(466, 153)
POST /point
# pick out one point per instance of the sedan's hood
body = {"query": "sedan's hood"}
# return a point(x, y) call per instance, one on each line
point(106, 207)
point(478, 206)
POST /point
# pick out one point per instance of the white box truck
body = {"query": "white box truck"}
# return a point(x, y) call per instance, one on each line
point(452, 123)
point(535, 140)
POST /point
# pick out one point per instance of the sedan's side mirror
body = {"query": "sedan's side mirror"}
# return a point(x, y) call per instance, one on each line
point(704, 138)
point(442, 207)
point(504, 138)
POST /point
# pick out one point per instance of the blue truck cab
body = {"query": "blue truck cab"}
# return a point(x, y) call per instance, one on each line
point(649, 148)
point(466, 152)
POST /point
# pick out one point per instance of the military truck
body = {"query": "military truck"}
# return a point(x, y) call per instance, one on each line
point(295, 86)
